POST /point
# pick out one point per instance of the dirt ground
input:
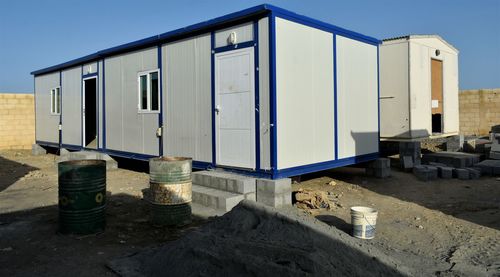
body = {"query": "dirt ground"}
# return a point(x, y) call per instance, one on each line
point(454, 221)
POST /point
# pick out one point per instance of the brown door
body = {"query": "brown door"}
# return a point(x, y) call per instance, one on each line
point(437, 95)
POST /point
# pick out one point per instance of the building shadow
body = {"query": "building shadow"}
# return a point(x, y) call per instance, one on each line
point(33, 247)
point(11, 172)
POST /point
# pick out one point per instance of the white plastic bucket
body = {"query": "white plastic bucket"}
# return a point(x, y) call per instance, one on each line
point(363, 220)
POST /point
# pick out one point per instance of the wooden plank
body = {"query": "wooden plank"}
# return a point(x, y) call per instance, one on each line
point(437, 86)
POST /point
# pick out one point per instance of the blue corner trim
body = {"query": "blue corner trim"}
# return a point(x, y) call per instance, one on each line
point(59, 127)
point(160, 115)
point(81, 108)
point(212, 83)
point(335, 127)
point(299, 170)
point(378, 96)
point(234, 47)
point(104, 104)
point(272, 93)
point(97, 106)
point(220, 22)
point(256, 89)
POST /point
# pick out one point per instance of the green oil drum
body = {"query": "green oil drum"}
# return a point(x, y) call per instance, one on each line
point(170, 190)
point(82, 196)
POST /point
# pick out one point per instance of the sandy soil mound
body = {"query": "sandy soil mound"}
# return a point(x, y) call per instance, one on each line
point(256, 240)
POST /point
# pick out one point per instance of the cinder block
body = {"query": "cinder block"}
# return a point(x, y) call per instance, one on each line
point(445, 172)
point(275, 193)
point(494, 155)
point(461, 173)
point(381, 163)
point(217, 199)
point(425, 173)
point(251, 196)
point(406, 162)
point(474, 173)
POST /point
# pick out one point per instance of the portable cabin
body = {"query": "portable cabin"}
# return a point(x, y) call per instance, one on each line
point(263, 91)
point(418, 87)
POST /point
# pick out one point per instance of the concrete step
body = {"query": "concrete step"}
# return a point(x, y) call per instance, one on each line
point(225, 181)
point(214, 198)
point(87, 155)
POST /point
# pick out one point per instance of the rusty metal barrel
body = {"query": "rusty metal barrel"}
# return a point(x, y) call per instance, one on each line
point(170, 190)
point(82, 196)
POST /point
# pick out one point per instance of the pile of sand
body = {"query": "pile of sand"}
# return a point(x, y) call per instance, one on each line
point(256, 240)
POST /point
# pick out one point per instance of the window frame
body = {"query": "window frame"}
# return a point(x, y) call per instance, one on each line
point(55, 109)
point(148, 74)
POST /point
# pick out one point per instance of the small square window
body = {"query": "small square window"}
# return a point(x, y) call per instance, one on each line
point(55, 101)
point(149, 92)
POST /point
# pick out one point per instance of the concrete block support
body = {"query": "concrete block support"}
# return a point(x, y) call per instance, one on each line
point(445, 172)
point(37, 150)
point(461, 173)
point(425, 172)
point(274, 193)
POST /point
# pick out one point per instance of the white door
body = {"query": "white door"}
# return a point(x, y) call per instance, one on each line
point(235, 108)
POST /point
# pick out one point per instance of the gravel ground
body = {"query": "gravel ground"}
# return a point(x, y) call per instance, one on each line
point(454, 222)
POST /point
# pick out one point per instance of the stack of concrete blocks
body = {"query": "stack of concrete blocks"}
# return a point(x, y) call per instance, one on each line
point(65, 155)
point(380, 168)
point(222, 190)
point(489, 167)
point(409, 154)
point(495, 143)
point(451, 164)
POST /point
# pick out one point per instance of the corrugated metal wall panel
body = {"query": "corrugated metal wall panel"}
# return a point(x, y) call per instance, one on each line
point(265, 148)
point(71, 106)
point(46, 124)
point(90, 68)
point(244, 32)
point(187, 98)
point(305, 102)
point(394, 91)
point(100, 112)
point(126, 128)
point(357, 98)
point(113, 109)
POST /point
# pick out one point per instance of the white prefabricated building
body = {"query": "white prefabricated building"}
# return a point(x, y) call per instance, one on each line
point(418, 87)
point(262, 91)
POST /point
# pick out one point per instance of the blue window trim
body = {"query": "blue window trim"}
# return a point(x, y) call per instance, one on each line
point(91, 74)
point(234, 47)
point(160, 115)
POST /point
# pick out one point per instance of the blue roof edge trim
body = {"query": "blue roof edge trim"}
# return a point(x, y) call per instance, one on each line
point(260, 10)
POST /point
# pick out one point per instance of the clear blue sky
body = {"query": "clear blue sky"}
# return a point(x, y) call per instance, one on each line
point(38, 34)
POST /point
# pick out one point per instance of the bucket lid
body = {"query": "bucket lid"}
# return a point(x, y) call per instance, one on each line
point(361, 209)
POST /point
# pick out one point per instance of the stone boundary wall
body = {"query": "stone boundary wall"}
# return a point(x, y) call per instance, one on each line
point(17, 120)
point(479, 110)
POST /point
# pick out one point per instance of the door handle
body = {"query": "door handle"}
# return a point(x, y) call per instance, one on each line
point(217, 109)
